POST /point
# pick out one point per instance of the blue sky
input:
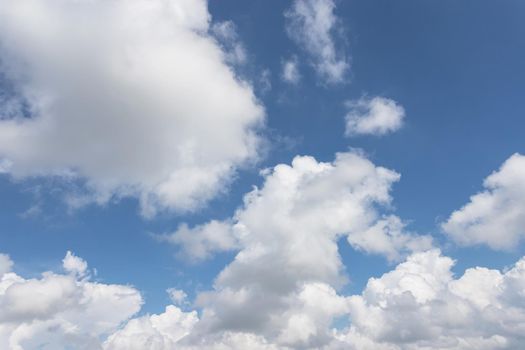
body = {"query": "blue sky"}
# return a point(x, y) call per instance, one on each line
point(454, 67)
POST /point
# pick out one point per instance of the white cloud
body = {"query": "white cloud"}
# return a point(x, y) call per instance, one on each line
point(312, 25)
point(155, 332)
point(282, 290)
point(5, 264)
point(74, 264)
point(290, 72)
point(127, 96)
point(177, 296)
point(495, 216)
point(389, 238)
point(286, 233)
point(375, 116)
point(419, 305)
point(226, 33)
point(59, 311)
point(328, 199)
point(200, 242)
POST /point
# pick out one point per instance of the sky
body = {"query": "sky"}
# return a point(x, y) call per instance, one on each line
point(306, 174)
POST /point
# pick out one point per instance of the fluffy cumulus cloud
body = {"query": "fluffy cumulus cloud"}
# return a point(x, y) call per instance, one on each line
point(495, 216)
point(314, 27)
point(283, 282)
point(373, 116)
point(127, 97)
point(154, 332)
point(420, 305)
point(59, 311)
point(417, 305)
point(312, 202)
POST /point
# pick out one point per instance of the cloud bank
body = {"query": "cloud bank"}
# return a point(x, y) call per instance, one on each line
point(419, 304)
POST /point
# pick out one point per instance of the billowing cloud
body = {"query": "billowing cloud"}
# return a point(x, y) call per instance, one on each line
point(314, 27)
point(374, 116)
point(419, 305)
point(310, 200)
point(128, 97)
point(283, 282)
point(58, 311)
point(495, 216)
point(154, 332)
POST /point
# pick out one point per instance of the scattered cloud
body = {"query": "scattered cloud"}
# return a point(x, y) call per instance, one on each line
point(265, 81)
point(226, 33)
point(495, 216)
point(59, 311)
point(145, 117)
point(290, 71)
point(131, 121)
point(312, 25)
point(177, 296)
point(373, 116)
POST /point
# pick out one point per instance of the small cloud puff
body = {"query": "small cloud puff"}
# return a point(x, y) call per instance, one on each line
point(373, 116)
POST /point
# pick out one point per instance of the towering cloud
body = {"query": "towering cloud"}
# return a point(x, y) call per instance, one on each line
point(284, 279)
point(126, 96)
point(495, 216)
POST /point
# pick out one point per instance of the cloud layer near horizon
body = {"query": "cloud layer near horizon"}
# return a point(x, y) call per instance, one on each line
point(419, 304)
point(127, 96)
